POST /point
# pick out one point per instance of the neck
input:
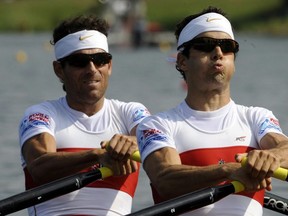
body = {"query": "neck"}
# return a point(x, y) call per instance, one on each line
point(207, 101)
point(87, 107)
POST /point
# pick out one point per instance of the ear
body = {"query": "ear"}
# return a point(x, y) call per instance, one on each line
point(58, 70)
point(110, 68)
point(181, 61)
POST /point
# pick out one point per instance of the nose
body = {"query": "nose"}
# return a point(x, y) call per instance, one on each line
point(217, 53)
point(91, 68)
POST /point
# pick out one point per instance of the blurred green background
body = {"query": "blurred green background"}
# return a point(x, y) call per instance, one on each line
point(257, 16)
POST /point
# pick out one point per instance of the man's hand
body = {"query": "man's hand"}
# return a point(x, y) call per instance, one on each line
point(119, 150)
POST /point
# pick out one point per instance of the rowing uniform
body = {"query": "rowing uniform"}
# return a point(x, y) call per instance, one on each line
point(74, 131)
point(206, 138)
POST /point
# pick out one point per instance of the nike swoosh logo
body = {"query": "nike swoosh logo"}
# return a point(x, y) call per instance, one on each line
point(81, 38)
point(212, 19)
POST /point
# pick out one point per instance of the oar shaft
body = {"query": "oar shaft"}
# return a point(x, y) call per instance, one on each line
point(188, 202)
point(276, 203)
point(50, 190)
point(54, 189)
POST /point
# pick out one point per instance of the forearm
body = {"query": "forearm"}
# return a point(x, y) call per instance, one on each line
point(184, 179)
point(175, 180)
point(56, 165)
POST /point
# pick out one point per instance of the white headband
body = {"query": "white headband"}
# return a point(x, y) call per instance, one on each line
point(204, 23)
point(85, 39)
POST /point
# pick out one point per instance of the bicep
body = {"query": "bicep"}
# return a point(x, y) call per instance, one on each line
point(37, 146)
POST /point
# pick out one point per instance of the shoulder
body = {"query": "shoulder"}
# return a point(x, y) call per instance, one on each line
point(118, 103)
point(127, 107)
point(253, 111)
point(46, 107)
point(161, 119)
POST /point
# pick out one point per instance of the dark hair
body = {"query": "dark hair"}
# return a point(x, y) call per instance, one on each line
point(76, 24)
point(79, 23)
point(181, 25)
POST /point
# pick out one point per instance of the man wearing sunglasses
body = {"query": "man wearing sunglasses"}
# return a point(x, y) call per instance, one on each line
point(83, 130)
point(201, 142)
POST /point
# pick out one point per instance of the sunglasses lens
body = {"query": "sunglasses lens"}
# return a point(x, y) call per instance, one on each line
point(204, 45)
point(82, 60)
point(100, 59)
point(78, 60)
point(209, 44)
point(228, 45)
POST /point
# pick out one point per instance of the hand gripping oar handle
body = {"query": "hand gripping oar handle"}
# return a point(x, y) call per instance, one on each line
point(135, 156)
point(106, 172)
point(280, 173)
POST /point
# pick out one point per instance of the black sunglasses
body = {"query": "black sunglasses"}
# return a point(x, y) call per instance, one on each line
point(206, 44)
point(82, 60)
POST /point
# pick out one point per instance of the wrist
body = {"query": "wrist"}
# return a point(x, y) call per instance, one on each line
point(228, 169)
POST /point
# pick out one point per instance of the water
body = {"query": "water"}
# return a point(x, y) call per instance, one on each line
point(143, 75)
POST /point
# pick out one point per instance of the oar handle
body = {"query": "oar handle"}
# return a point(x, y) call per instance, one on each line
point(238, 186)
point(106, 172)
point(279, 173)
point(136, 156)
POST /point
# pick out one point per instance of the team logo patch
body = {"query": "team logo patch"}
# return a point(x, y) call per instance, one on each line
point(240, 139)
point(148, 136)
point(139, 114)
point(269, 123)
point(34, 120)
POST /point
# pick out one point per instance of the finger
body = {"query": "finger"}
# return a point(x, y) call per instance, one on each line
point(263, 184)
point(115, 146)
point(128, 167)
point(265, 170)
point(240, 156)
point(129, 147)
point(251, 160)
point(104, 144)
point(122, 168)
point(117, 169)
point(120, 149)
point(269, 184)
point(134, 165)
point(257, 169)
point(125, 148)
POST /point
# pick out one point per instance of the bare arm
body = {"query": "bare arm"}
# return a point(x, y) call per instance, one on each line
point(45, 164)
point(172, 179)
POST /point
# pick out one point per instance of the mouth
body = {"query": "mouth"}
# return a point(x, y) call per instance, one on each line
point(91, 82)
point(218, 67)
point(218, 72)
